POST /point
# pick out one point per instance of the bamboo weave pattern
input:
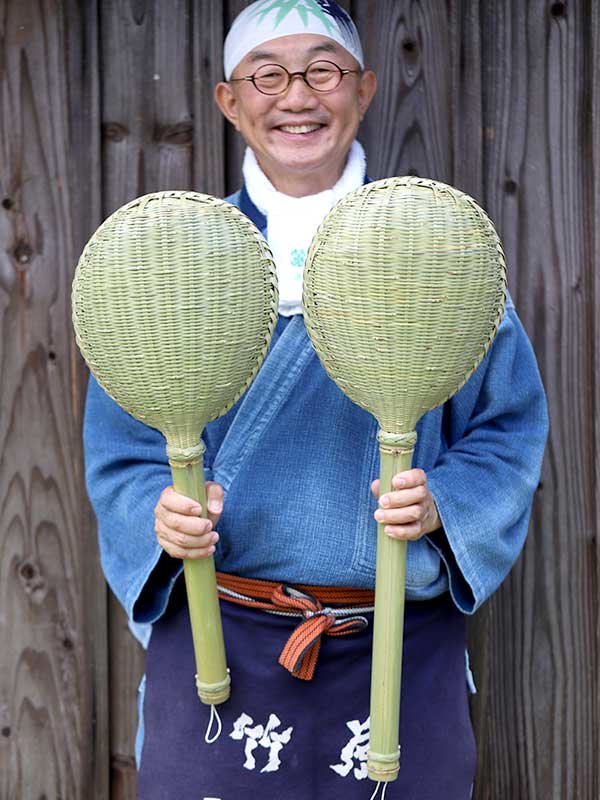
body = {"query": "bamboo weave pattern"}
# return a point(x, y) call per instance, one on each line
point(174, 303)
point(404, 289)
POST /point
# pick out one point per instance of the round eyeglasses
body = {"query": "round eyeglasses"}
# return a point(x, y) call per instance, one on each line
point(322, 76)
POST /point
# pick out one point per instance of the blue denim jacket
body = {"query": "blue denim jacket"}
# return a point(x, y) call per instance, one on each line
point(296, 458)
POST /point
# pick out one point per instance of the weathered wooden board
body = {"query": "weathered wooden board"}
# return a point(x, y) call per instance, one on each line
point(407, 129)
point(209, 161)
point(537, 733)
point(592, 214)
point(53, 689)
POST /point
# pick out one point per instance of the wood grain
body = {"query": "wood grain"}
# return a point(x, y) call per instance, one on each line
point(209, 125)
point(53, 685)
point(536, 730)
point(407, 128)
point(592, 214)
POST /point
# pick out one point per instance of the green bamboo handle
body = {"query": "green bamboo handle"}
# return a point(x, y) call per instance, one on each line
point(212, 676)
point(383, 761)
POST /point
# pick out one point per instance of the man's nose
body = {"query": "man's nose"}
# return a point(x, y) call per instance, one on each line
point(298, 95)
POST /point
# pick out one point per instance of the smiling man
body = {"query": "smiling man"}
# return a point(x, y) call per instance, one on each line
point(299, 120)
point(292, 490)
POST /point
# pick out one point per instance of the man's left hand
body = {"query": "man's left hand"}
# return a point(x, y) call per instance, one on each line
point(408, 511)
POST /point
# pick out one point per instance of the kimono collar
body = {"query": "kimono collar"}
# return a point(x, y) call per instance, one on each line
point(257, 217)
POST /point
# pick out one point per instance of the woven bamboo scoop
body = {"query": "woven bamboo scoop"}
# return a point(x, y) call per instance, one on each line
point(404, 288)
point(174, 304)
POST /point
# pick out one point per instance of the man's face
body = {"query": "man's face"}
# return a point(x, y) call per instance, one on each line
point(301, 137)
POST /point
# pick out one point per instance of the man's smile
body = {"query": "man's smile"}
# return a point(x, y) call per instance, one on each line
point(307, 128)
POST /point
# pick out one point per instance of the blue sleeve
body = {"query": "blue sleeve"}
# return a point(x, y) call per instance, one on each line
point(496, 428)
point(126, 470)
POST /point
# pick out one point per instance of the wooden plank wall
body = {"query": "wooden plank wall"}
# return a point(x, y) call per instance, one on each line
point(54, 708)
point(103, 101)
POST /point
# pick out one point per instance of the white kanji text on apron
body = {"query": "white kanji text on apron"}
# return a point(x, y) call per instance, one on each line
point(265, 736)
point(355, 750)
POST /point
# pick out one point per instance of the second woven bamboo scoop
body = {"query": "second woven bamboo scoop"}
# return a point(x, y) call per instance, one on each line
point(174, 304)
point(404, 289)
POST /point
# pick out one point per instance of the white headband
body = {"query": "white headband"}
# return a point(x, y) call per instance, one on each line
point(269, 19)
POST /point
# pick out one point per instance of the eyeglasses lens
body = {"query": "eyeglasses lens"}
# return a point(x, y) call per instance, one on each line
point(271, 79)
point(323, 76)
point(274, 79)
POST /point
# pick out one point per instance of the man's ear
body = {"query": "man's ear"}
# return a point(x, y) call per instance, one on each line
point(227, 102)
point(366, 90)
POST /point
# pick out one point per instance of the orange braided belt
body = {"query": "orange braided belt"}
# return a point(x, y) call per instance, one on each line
point(326, 611)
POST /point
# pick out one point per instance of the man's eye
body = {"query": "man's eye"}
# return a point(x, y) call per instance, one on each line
point(320, 74)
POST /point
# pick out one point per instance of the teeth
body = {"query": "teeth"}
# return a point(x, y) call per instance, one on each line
point(299, 128)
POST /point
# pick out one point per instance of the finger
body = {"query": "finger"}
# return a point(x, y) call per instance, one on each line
point(400, 516)
point(181, 552)
point(214, 501)
point(178, 503)
point(410, 532)
point(404, 497)
point(185, 541)
point(181, 523)
point(375, 488)
point(409, 479)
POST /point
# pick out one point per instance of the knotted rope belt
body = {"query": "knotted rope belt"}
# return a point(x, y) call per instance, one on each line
point(326, 611)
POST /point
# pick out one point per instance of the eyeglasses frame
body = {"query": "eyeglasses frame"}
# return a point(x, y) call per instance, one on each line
point(298, 73)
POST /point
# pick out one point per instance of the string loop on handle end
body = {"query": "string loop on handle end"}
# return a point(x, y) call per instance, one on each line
point(376, 792)
point(214, 718)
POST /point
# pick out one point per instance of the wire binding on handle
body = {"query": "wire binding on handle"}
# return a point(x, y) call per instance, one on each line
point(214, 693)
point(396, 443)
point(183, 456)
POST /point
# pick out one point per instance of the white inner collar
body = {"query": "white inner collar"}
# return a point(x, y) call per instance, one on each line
point(293, 221)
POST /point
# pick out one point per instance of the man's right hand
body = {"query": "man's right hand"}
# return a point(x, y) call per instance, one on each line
point(180, 529)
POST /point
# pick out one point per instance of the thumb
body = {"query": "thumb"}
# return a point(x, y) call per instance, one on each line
point(214, 501)
point(375, 489)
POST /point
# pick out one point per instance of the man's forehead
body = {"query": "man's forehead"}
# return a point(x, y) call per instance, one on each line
point(295, 46)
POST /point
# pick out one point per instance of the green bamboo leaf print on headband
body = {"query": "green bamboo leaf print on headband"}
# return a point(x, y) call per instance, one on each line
point(303, 7)
point(303, 14)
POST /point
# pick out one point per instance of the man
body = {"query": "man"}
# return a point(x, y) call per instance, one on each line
point(291, 470)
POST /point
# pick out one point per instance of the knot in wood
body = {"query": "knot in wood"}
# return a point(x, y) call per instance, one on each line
point(22, 252)
point(114, 131)
point(181, 133)
point(409, 46)
point(32, 580)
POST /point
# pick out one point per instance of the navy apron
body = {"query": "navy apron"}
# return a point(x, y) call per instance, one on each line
point(288, 739)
